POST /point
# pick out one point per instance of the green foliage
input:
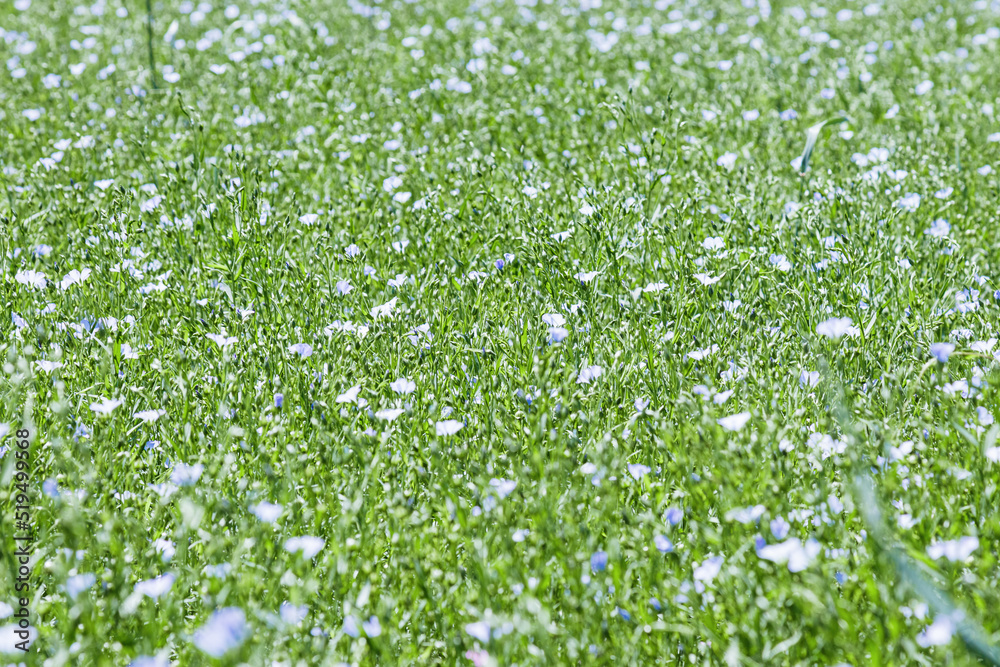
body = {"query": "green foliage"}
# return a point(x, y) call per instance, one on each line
point(346, 178)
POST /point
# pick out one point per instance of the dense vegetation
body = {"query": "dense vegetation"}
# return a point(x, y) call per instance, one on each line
point(501, 332)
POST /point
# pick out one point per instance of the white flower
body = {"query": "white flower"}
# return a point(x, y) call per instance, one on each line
point(638, 470)
point(186, 475)
point(149, 415)
point(798, 556)
point(937, 633)
point(713, 243)
point(389, 415)
point(293, 614)
point(589, 374)
point(984, 346)
point(703, 353)
point(781, 263)
point(225, 630)
point(385, 310)
point(73, 277)
point(29, 278)
point(308, 545)
point(938, 229)
point(746, 515)
point(350, 396)
point(554, 319)
point(734, 422)
point(266, 512)
point(708, 569)
point(105, 406)
point(156, 587)
point(448, 427)
point(909, 203)
point(707, 278)
point(586, 209)
point(403, 386)
point(221, 340)
point(727, 160)
point(835, 327)
point(77, 584)
point(954, 550)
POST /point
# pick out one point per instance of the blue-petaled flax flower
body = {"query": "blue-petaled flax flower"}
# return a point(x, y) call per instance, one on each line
point(941, 351)
point(224, 631)
point(302, 349)
point(479, 630)
point(372, 627)
point(292, 614)
point(599, 561)
point(663, 544)
point(589, 374)
point(79, 583)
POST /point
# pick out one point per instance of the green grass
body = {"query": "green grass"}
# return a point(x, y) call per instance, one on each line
point(220, 198)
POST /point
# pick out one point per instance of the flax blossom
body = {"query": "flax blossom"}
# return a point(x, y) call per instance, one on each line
point(588, 374)
point(304, 350)
point(105, 405)
point(221, 340)
point(448, 427)
point(149, 416)
point(74, 277)
point(386, 310)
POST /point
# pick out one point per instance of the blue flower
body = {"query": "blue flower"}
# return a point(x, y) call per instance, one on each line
point(779, 528)
point(941, 351)
point(599, 561)
point(372, 627)
point(674, 515)
point(663, 545)
point(224, 630)
point(79, 583)
point(351, 627)
point(185, 475)
point(50, 488)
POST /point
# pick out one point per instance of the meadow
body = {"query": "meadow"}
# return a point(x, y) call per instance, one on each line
point(501, 332)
